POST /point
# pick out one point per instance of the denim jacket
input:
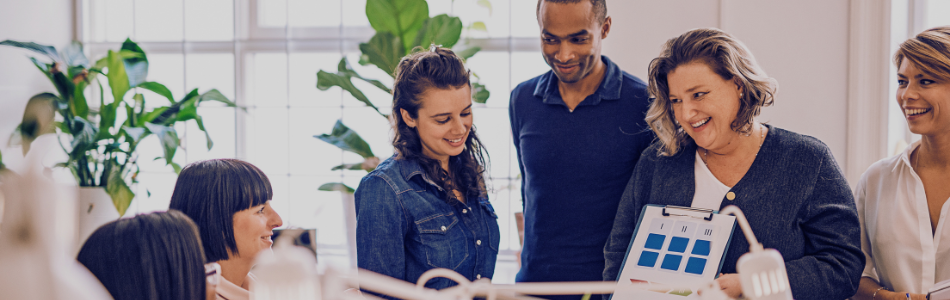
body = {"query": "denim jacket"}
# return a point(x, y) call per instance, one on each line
point(404, 227)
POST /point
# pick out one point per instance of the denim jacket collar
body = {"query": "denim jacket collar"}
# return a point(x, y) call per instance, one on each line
point(609, 88)
point(410, 168)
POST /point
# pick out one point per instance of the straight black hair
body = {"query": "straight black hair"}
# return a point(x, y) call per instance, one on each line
point(156, 256)
point(211, 192)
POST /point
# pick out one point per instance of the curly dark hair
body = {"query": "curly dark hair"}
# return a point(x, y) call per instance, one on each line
point(435, 68)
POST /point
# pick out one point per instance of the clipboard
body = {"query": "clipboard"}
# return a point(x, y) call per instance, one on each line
point(674, 246)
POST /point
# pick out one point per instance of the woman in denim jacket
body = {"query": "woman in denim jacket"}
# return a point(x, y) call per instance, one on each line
point(426, 207)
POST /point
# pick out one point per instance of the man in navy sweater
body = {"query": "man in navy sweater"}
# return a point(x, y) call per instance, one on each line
point(578, 130)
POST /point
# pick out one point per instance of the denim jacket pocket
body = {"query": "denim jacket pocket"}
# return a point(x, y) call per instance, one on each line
point(443, 241)
point(491, 222)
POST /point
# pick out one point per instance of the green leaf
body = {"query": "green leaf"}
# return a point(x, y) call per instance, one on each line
point(74, 56)
point(201, 126)
point(402, 18)
point(153, 114)
point(168, 137)
point(440, 30)
point(344, 138)
point(135, 133)
point(84, 135)
point(158, 88)
point(43, 67)
point(479, 93)
point(215, 95)
point(352, 167)
point(468, 52)
point(336, 186)
point(118, 79)
point(343, 68)
point(384, 50)
point(136, 64)
point(49, 51)
point(119, 191)
point(107, 114)
point(485, 4)
point(78, 103)
point(480, 26)
point(326, 80)
point(176, 167)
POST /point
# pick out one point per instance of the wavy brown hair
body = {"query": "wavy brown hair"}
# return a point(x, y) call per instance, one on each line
point(435, 68)
point(929, 51)
point(728, 58)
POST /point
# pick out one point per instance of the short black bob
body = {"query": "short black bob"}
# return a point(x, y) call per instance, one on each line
point(211, 192)
point(154, 256)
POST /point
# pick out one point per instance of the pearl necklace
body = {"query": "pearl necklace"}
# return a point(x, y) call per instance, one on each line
point(762, 136)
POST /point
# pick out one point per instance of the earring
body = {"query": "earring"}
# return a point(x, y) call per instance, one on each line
point(740, 95)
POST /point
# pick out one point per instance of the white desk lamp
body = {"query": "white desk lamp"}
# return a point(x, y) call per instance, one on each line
point(761, 271)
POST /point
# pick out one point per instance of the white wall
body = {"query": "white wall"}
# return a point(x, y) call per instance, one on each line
point(803, 44)
point(48, 22)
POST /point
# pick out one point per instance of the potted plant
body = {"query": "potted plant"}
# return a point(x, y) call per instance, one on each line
point(101, 136)
point(401, 26)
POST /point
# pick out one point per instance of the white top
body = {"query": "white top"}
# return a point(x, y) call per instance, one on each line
point(227, 290)
point(709, 190)
point(902, 254)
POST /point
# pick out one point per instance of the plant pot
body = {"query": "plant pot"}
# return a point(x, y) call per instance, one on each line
point(95, 209)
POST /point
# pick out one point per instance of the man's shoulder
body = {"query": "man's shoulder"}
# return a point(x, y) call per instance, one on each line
point(633, 86)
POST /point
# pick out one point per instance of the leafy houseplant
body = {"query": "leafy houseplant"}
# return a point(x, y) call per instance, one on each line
point(401, 26)
point(104, 134)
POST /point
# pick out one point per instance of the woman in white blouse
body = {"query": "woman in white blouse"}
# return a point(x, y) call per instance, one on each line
point(902, 200)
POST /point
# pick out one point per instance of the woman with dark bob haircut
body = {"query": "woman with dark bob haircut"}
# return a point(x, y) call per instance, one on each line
point(149, 257)
point(712, 152)
point(229, 199)
point(426, 207)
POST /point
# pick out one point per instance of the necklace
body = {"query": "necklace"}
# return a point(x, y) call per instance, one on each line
point(762, 136)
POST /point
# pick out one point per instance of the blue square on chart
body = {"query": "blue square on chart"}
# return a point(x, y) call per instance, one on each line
point(648, 259)
point(671, 262)
point(701, 247)
point(695, 265)
point(655, 241)
point(678, 244)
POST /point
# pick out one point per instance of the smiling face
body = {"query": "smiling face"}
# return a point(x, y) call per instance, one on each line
point(253, 229)
point(444, 121)
point(571, 39)
point(704, 104)
point(922, 98)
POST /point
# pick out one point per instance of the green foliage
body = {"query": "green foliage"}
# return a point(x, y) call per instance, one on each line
point(102, 150)
point(401, 26)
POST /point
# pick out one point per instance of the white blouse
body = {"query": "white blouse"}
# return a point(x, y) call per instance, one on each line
point(902, 253)
point(227, 290)
point(709, 190)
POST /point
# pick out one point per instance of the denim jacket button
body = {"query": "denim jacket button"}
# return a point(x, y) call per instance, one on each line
point(443, 228)
point(478, 242)
point(464, 210)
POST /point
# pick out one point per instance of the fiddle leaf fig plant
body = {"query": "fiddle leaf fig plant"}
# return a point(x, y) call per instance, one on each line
point(101, 136)
point(401, 26)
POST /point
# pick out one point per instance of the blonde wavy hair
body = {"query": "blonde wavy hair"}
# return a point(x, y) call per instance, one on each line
point(929, 51)
point(728, 58)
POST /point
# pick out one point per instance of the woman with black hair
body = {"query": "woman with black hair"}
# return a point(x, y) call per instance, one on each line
point(229, 199)
point(156, 256)
point(426, 207)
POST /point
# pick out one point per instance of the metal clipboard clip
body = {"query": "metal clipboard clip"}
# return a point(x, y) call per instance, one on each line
point(692, 212)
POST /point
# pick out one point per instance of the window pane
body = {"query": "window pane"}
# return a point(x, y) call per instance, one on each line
point(111, 20)
point(378, 97)
point(524, 22)
point(938, 13)
point(210, 71)
point(282, 200)
point(303, 79)
point(158, 20)
point(219, 122)
point(314, 13)
point(500, 196)
point(267, 144)
point(169, 70)
point(267, 80)
point(526, 65)
point(272, 13)
point(209, 20)
point(151, 153)
point(160, 186)
point(354, 13)
point(493, 131)
point(309, 155)
point(317, 209)
point(492, 70)
point(495, 19)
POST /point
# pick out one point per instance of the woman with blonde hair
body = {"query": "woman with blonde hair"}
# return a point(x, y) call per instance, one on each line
point(902, 200)
point(712, 152)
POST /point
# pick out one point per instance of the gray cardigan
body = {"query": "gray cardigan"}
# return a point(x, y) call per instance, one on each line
point(794, 195)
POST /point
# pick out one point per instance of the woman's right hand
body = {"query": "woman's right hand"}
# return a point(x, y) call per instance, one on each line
point(730, 285)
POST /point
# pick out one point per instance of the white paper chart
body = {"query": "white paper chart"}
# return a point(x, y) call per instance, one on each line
point(675, 247)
